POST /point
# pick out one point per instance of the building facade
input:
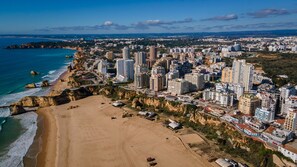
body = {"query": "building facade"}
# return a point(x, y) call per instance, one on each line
point(227, 75)
point(291, 120)
point(248, 104)
point(178, 86)
point(264, 115)
point(126, 53)
point(196, 81)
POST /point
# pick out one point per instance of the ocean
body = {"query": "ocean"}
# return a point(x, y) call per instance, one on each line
point(17, 133)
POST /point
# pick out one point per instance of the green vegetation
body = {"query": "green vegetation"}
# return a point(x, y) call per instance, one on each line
point(257, 155)
point(273, 64)
point(277, 64)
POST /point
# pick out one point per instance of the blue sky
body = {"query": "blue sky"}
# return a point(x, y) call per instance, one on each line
point(144, 16)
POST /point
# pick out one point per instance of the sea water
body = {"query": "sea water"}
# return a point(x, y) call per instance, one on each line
point(17, 133)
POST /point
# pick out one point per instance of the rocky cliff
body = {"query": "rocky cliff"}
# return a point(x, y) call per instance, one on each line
point(65, 97)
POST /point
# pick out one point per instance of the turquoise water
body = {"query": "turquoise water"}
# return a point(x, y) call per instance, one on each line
point(17, 133)
point(15, 65)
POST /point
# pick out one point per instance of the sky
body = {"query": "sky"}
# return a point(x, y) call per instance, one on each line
point(144, 16)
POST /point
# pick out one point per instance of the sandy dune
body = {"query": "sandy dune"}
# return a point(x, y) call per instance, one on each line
point(87, 136)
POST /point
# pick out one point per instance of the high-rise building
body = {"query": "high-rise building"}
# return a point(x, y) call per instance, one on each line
point(248, 75)
point(140, 58)
point(227, 75)
point(141, 78)
point(102, 67)
point(242, 73)
point(153, 53)
point(125, 70)
point(196, 81)
point(248, 104)
point(291, 120)
point(290, 102)
point(129, 69)
point(178, 86)
point(285, 92)
point(152, 57)
point(158, 79)
point(126, 53)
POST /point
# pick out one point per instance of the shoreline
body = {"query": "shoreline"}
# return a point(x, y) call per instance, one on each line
point(47, 124)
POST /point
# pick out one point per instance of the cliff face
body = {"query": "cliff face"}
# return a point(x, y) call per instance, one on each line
point(17, 109)
point(139, 100)
point(65, 97)
point(224, 130)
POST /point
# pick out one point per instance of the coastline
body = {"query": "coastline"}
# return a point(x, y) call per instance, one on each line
point(46, 129)
point(63, 141)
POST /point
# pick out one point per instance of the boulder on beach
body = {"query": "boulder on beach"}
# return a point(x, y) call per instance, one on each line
point(17, 109)
point(45, 83)
point(33, 73)
point(31, 85)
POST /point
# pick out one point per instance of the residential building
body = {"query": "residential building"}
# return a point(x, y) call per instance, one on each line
point(227, 75)
point(125, 70)
point(126, 53)
point(178, 86)
point(264, 115)
point(242, 73)
point(152, 57)
point(196, 81)
point(277, 136)
point(248, 104)
point(140, 58)
point(158, 79)
point(141, 78)
point(153, 53)
point(289, 150)
point(285, 92)
point(102, 67)
point(223, 98)
point(291, 120)
point(172, 74)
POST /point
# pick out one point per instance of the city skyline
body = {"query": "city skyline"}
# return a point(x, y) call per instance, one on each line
point(150, 16)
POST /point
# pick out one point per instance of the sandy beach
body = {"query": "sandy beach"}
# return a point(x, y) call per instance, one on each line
point(87, 136)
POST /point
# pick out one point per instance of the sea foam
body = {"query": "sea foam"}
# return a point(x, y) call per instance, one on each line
point(19, 148)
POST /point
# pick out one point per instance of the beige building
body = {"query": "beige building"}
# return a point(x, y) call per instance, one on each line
point(291, 120)
point(196, 81)
point(227, 75)
point(178, 86)
point(153, 53)
point(158, 79)
point(248, 104)
point(157, 82)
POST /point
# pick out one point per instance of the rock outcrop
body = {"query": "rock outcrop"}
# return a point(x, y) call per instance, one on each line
point(31, 85)
point(44, 101)
point(45, 83)
point(17, 109)
point(33, 73)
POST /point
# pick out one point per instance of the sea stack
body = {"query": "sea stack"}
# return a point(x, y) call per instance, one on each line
point(45, 83)
point(34, 72)
point(31, 85)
